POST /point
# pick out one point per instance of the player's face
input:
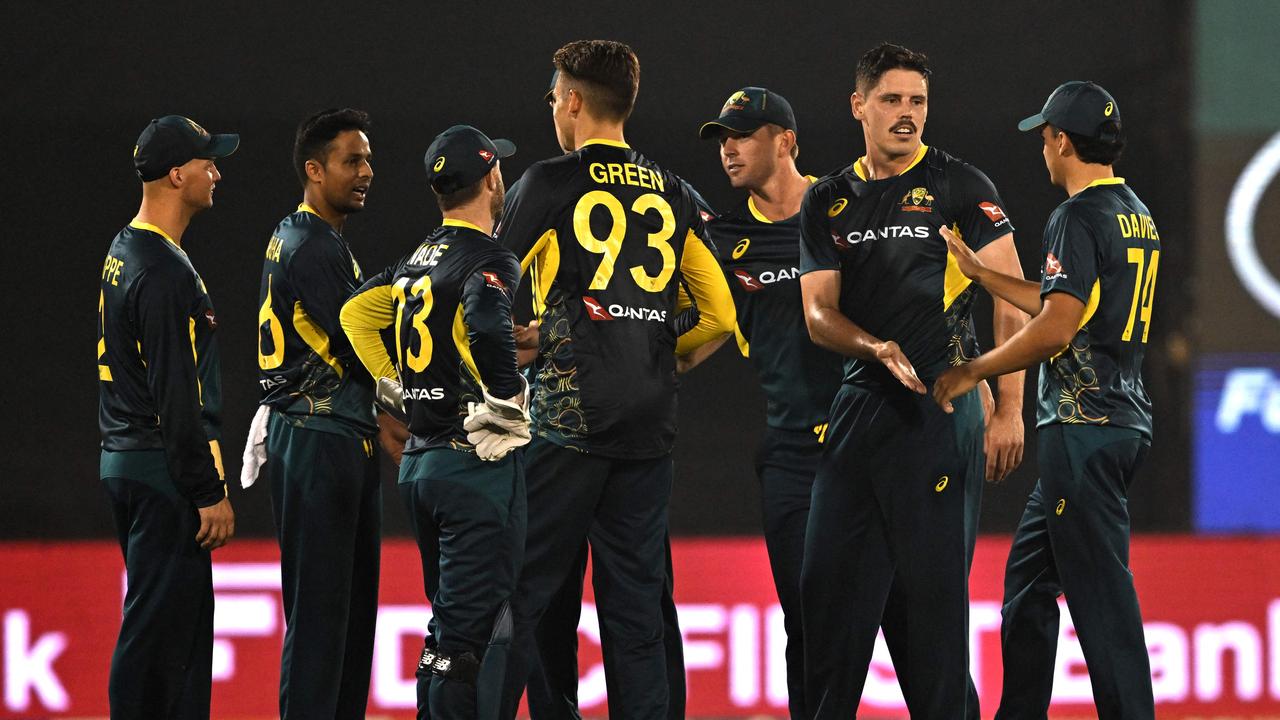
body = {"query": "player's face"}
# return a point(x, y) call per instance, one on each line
point(198, 180)
point(893, 112)
point(564, 122)
point(1052, 157)
point(749, 159)
point(347, 172)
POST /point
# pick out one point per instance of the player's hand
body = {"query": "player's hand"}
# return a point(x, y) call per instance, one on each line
point(392, 435)
point(1003, 444)
point(966, 259)
point(526, 336)
point(217, 525)
point(952, 384)
point(891, 355)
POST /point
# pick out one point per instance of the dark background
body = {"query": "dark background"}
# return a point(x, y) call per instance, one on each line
point(81, 81)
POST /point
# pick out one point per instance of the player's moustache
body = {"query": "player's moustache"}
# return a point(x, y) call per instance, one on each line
point(903, 124)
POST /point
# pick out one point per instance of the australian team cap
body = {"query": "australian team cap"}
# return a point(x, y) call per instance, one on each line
point(460, 156)
point(1079, 107)
point(174, 140)
point(748, 109)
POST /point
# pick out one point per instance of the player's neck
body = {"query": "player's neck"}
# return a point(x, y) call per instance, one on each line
point(314, 200)
point(171, 216)
point(589, 128)
point(780, 196)
point(1079, 175)
point(880, 165)
point(473, 213)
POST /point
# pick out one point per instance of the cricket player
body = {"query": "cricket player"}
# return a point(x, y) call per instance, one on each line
point(895, 498)
point(1091, 318)
point(159, 410)
point(606, 237)
point(448, 304)
point(319, 439)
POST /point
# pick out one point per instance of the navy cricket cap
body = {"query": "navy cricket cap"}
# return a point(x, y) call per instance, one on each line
point(174, 140)
point(1079, 107)
point(747, 109)
point(461, 156)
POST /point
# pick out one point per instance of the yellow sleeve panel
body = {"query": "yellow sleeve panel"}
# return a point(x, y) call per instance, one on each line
point(711, 293)
point(744, 347)
point(362, 317)
point(682, 300)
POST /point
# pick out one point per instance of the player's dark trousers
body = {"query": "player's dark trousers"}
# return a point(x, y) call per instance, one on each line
point(553, 683)
point(1073, 540)
point(621, 507)
point(327, 505)
point(889, 511)
point(786, 466)
point(468, 517)
point(163, 658)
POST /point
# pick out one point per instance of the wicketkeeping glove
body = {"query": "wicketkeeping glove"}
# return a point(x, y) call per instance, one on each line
point(496, 427)
point(389, 397)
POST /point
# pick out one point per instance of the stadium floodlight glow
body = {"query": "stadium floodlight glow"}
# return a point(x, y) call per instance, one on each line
point(1242, 208)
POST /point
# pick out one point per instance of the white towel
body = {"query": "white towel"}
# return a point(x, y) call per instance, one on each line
point(255, 447)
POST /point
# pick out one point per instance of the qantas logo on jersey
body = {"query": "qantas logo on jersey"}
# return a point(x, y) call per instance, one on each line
point(994, 213)
point(1053, 268)
point(706, 216)
point(422, 393)
point(768, 277)
point(492, 280)
point(597, 311)
point(893, 231)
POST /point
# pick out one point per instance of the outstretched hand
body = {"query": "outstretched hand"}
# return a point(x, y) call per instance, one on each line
point(966, 259)
point(893, 358)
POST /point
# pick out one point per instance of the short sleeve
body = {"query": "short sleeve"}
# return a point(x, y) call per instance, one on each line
point(1070, 256)
point(976, 207)
point(817, 250)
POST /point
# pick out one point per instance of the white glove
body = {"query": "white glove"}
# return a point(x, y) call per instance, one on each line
point(389, 397)
point(496, 427)
point(255, 447)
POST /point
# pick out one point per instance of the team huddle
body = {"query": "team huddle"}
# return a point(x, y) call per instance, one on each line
point(525, 448)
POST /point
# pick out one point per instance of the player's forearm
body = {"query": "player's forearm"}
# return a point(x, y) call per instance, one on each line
point(710, 294)
point(830, 329)
point(363, 317)
point(1022, 294)
point(1006, 321)
point(685, 363)
point(1035, 342)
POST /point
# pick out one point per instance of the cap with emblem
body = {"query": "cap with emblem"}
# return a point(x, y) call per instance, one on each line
point(462, 155)
point(747, 109)
point(1079, 107)
point(174, 140)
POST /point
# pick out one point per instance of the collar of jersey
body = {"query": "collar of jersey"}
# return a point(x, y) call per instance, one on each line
point(454, 222)
point(303, 207)
point(602, 141)
point(759, 216)
point(857, 164)
point(136, 223)
point(1105, 181)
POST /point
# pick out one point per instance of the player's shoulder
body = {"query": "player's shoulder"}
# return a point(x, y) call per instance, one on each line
point(551, 171)
point(830, 193)
point(955, 169)
point(301, 227)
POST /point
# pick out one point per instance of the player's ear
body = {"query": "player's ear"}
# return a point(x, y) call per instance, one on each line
point(574, 105)
point(788, 141)
point(1065, 148)
point(856, 103)
point(315, 171)
point(175, 176)
point(493, 180)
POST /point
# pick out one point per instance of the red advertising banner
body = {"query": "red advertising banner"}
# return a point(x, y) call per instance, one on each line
point(1211, 606)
